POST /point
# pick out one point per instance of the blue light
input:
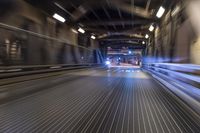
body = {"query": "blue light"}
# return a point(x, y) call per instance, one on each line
point(129, 52)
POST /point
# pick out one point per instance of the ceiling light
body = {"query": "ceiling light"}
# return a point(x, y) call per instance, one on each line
point(146, 36)
point(160, 12)
point(93, 37)
point(59, 18)
point(143, 42)
point(81, 30)
point(151, 28)
point(73, 30)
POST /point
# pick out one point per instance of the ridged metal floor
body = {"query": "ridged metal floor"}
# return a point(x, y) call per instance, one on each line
point(98, 101)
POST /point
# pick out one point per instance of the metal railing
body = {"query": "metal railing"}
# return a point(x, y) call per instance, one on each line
point(16, 71)
point(182, 79)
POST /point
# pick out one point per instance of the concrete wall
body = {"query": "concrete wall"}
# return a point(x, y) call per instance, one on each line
point(94, 44)
point(185, 37)
point(36, 50)
point(193, 11)
point(195, 52)
point(23, 15)
point(177, 39)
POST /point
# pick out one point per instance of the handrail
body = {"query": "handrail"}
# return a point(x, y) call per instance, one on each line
point(184, 72)
point(40, 67)
point(183, 68)
point(182, 79)
point(30, 70)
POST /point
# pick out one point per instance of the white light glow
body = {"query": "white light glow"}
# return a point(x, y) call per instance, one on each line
point(81, 30)
point(59, 18)
point(73, 30)
point(160, 12)
point(176, 10)
point(93, 37)
point(146, 36)
point(143, 42)
point(151, 28)
point(108, 62)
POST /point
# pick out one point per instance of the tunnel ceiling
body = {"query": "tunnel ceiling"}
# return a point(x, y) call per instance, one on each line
point(106, 18)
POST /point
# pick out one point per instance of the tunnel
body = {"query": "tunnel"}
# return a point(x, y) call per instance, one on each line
point(107, 66)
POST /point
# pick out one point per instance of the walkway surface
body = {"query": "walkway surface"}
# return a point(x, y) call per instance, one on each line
point(116, 100)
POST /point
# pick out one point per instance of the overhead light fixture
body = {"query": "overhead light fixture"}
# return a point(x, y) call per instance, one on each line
point(146, 36)
point(93, 37)
point(160, 12)
point(81, 30)
point(59, 18)
point(73, 30)
point(151, 28)
point(143, 42)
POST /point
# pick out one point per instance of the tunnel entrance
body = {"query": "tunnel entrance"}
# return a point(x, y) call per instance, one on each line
point(124, 57)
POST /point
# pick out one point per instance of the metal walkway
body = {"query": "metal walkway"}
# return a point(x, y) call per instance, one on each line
point(98, 101)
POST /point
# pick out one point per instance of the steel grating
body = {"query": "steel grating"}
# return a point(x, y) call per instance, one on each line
point(100, 101)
